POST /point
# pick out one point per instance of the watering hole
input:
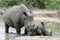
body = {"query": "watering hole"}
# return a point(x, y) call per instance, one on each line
point(55, 27)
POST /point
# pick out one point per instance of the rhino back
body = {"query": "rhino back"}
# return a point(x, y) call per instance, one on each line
point(12, 15)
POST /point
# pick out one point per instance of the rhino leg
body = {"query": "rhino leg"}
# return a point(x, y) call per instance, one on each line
point(18, 30)
point(6, 28)
point(25, 32)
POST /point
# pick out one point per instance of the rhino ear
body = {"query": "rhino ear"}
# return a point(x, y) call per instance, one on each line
point(42, 23)
point(24, 13)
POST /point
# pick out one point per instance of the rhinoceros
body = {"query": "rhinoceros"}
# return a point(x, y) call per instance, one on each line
point(17, 17)
point(43, 29)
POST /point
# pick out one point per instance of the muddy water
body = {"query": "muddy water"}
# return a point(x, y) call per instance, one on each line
point(12, 33)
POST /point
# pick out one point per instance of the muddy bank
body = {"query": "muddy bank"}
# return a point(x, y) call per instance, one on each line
point(37, 38)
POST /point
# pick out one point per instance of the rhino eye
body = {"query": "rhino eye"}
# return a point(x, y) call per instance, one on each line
point(25, 13)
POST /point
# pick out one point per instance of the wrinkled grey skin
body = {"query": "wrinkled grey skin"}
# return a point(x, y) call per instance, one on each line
point(17, 17)
point(30, 30)
point(43, 29)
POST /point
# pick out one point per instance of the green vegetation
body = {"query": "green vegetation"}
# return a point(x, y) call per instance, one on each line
point(42, 4)
point(55, 27)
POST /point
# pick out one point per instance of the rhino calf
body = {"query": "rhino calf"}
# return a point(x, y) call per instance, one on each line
point(43, 29)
